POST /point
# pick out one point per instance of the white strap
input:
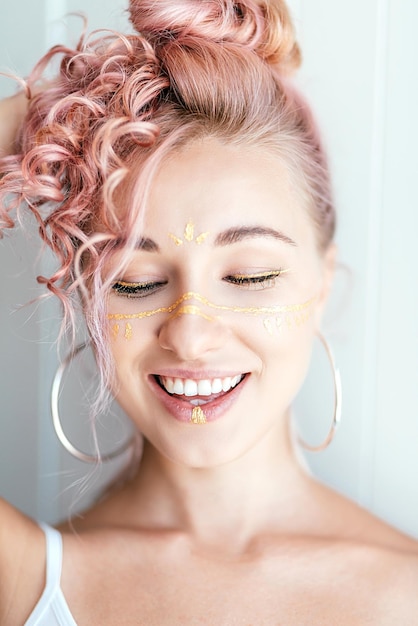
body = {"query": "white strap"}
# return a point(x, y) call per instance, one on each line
point(53, 557)
point(41, 614)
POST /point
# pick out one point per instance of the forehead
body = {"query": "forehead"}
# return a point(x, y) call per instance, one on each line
point(216, 185)
point(214, 181)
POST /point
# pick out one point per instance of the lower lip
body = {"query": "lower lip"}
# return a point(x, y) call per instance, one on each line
point(182, 410)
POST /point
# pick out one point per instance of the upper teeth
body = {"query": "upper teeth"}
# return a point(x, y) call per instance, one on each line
point(205, 387)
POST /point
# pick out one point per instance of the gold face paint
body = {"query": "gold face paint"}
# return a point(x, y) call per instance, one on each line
point(261, 276)
point(198, 416)
point(268, 326)
point(189, 232)
point(177, 241)
point(189, 236)
point(192, 310)
point(201, 238)
point(191, 295)
point(291, 315)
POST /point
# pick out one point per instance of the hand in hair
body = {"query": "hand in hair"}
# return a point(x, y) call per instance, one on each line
point(12, 112)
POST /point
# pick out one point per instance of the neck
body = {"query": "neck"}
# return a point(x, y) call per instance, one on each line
point(234, 501)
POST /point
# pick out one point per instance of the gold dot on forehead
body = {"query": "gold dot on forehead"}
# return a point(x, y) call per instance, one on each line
point(198, 416)
point(189, 236)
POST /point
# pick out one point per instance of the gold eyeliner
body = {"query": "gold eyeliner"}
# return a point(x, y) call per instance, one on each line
point(272, 274)
point(125, 283)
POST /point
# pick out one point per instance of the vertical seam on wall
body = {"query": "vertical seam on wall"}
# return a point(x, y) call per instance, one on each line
point(371, 343)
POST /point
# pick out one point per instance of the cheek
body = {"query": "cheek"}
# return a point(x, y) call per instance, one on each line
point(285, 349)
point(128, 347)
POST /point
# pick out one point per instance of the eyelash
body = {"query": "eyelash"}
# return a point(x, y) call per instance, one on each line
point(262, 280)
point(136, 290)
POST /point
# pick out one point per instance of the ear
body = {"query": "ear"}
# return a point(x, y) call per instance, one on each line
point(328, 271)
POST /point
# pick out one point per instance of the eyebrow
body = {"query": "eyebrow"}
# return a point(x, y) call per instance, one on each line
point(145, 243)
point(236, 234)
point(227, 237)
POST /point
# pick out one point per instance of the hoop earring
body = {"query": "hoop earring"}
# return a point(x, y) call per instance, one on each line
point(337, 402)
point(56, 420)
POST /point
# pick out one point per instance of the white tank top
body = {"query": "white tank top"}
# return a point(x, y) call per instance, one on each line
point(52, 609)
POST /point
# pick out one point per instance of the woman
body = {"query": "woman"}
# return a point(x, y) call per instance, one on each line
point(179, 179)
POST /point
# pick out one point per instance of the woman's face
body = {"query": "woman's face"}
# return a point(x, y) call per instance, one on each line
point(219, 305)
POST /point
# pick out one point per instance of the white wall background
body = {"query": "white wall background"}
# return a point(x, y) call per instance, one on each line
point(359, 73)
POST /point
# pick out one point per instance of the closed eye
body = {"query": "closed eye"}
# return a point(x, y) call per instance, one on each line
point(137, 290)
point(259, 280)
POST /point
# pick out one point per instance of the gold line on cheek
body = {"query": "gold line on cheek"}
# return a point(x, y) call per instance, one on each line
point(276, 318)
point(273, 310)
point(192, 310)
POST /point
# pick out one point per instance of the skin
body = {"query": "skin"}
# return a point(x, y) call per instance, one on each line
point(12, 111)
point(222, 524)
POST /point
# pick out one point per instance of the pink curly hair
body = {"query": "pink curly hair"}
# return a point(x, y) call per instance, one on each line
point(122, 103)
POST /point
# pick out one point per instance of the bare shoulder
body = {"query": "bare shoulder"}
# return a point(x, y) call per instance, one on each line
point(345, 519)
point(394, 570)
point(16, 530)
point(390, 579)
point(378, 561)
point(22, 564)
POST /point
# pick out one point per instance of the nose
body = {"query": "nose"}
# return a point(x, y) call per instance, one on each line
point(191, 333)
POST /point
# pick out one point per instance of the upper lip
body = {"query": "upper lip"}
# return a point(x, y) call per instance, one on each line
point(196, 374)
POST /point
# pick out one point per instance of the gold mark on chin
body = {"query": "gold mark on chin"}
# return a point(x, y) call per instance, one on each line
point(198, 416)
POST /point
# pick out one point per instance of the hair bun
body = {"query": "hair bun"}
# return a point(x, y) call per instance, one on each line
point(264, 26)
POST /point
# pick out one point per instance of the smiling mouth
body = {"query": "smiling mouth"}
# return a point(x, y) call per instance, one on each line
point(199, 392)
